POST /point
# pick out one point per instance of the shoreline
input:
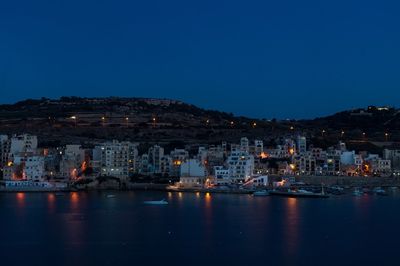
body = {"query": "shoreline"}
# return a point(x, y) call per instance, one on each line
point(301, 181)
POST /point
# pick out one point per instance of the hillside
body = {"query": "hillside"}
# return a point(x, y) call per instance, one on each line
point(74, 119)
point(88, 120)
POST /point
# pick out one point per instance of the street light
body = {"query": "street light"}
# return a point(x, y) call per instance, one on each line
point(74, 117)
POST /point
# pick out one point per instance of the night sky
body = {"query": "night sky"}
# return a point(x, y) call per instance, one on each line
point(284, 59)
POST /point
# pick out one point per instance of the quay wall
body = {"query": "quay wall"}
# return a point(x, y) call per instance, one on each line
point(345, 180)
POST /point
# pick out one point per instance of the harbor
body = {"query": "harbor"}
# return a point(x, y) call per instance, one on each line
point(97, 227)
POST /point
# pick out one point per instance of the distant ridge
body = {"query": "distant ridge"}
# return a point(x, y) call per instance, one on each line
point(165, 120)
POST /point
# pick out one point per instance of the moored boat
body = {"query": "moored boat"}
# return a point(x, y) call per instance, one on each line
point(379, 191)
point(358, 192)
point(156, 202)
point(299, 194)
point(261, 193)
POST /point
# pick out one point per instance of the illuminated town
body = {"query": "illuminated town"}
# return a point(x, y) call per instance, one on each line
point(246, 164)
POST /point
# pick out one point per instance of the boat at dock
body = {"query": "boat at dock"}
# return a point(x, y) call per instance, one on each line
point(301, 193)
point(358, 192)
point(261, 193)
point(379, 191)
point(156, 202)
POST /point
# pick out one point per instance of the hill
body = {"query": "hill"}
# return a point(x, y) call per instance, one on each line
point(165, 121)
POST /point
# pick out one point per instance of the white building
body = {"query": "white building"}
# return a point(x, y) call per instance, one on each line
point(23, 143)
point(244, 144)
point(29, 167)
point(34, 168)
point(301, 145)
point(193, 173)
point(193, 168)
point(348, 157)
point(118, 159)
point(155, 155)
point(240, 166)
point(221, 175)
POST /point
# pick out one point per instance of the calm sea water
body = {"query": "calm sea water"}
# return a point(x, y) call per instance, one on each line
point(197, 229)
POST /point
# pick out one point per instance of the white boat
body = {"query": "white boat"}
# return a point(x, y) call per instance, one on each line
point(304, 191)
point(358, 192)
point(110, 196)
point(156, 202)
point(261, 193)
point(380, 191)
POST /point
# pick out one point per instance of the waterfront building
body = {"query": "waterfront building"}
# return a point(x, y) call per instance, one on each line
point(202, 154)
point(332, 163)
point(348, 157)
point(378, 166)
point(155, 154)
point(118, 159)
point(34, 168)
point(23, 143)
point(193, 173)
point(144, 165)
point(215, 157)
point(166, 165)
point(221, 175)
point(393, 156)
point(193, 167)
point(304, 164)
point(72, 162)
point(240, 165)
point(28, 167)
point(178, 156)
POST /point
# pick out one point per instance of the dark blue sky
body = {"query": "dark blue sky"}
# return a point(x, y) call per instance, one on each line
point(262, 58)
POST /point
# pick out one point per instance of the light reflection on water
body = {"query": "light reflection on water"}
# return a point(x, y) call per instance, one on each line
point(285, 231)
point(292, 225)
point(20, 199)
point(74, 199)
point(51, 200)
